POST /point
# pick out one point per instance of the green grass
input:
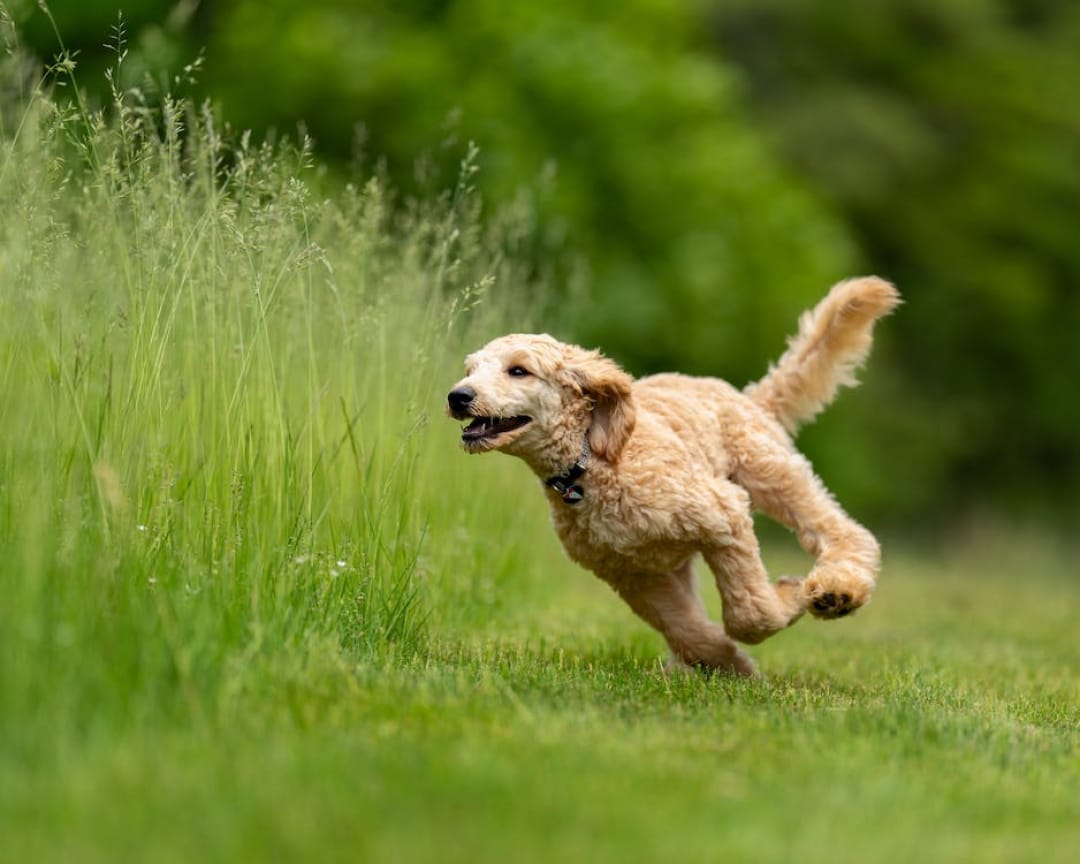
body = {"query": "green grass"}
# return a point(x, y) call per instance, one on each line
point(254, 604)
point(947, 731)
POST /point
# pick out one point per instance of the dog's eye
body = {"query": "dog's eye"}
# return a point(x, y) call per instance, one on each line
point(517, 371)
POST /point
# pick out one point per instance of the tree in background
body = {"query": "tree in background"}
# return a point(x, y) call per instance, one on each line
point(701, 247)
point(717, 164)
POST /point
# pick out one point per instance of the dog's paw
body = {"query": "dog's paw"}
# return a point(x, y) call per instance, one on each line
point(790, 590)
point(739, 665)
point(744, 667)
point(793, 594)
point(828, 604)
point(836, 598)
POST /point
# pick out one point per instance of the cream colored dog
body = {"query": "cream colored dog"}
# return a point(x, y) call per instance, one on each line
point(641, 476)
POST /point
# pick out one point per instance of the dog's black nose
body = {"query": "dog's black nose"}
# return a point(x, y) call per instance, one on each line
point(460, 398)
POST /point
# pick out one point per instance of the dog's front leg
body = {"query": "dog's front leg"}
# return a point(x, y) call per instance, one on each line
point(754, 607)
point(669, 602)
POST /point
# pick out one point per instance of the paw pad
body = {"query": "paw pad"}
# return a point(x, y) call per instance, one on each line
point(832, 605)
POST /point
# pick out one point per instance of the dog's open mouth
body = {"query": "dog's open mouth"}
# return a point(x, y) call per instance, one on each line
point(485, 428)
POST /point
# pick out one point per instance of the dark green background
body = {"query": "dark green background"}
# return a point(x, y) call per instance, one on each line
point(704, 170)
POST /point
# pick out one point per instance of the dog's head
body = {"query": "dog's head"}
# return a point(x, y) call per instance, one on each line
point(525, 393)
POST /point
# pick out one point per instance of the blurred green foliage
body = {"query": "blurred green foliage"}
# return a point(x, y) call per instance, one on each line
point(717, 164)
point(652, 168)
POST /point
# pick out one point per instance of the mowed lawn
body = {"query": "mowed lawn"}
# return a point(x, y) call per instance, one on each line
point(940, 723)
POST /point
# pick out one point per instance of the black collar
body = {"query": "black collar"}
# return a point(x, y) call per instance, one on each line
point(564, 483)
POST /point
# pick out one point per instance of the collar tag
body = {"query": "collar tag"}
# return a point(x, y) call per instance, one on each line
point(573, 494)
point(564, 484)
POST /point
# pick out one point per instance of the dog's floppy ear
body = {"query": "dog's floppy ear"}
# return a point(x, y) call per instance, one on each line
point(609, 388)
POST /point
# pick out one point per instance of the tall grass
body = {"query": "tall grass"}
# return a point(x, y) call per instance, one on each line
point(215, 396)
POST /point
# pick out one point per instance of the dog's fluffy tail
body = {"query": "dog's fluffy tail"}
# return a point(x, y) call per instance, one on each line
point(832, 343)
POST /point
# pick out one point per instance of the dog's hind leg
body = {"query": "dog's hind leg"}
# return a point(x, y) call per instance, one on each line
point(670, 603)
point(782, 484)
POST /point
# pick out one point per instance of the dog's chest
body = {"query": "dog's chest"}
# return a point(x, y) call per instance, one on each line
point(613, 540)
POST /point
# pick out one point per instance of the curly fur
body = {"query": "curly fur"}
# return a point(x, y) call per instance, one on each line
point(678, 463)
